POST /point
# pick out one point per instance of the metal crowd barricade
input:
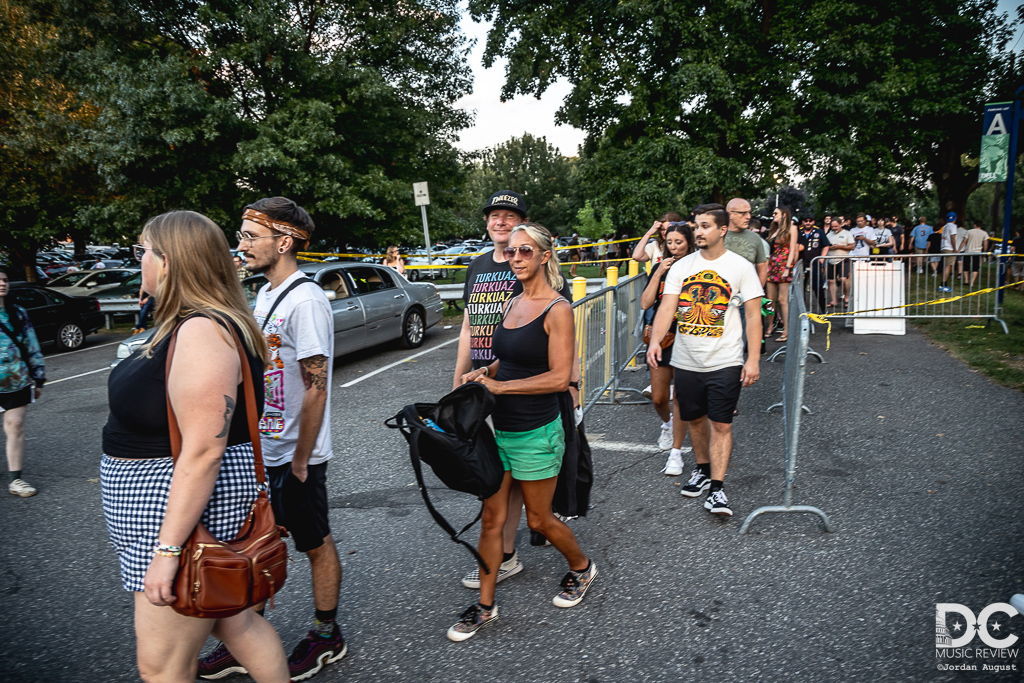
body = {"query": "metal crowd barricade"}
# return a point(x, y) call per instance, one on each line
point(594, 314)
point(608, 337)
point(890, 281)
point(792, 402)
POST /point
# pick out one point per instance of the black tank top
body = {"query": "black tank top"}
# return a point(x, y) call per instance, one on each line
point(523, 353)
point(137, 426)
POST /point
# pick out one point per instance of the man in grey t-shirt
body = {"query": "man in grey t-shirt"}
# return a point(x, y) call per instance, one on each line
point(743, 242)
point(740, 240)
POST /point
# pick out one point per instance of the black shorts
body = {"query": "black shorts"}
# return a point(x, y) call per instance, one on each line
point(301, 506)
point(16, 399)
point(837, 269)
point(714, 393)
point(972, 264)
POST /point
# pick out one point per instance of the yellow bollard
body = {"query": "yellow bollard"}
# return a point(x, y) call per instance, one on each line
point(579, 288)
point(647, 267)
point(613, 276)
point(633, 268)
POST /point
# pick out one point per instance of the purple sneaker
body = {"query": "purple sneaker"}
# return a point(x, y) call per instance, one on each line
point(219, 664)
point(314, 652)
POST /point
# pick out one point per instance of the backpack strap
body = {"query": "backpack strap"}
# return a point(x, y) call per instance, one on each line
point(280, 298)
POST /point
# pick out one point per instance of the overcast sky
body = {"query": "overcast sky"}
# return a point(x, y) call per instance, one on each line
point(497, 122)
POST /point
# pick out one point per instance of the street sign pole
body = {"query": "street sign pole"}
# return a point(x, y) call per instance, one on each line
point(426, 230)
point(421, 195)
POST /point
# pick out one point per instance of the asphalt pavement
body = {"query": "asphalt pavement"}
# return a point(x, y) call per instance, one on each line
point(916, 459)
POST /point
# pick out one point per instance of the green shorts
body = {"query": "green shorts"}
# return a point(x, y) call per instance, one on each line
point(532, 455)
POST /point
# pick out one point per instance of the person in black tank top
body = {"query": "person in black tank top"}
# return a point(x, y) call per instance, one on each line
point(152, 503)
point(534, 349)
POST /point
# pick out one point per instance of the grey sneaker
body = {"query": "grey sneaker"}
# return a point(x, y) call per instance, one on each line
point(472, 620)
point(20, 487)
point(699, 482)
point(574, 586)
point(510, 568)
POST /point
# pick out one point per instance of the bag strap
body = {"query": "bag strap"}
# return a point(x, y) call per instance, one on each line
point(412, 436)
point(250, 406)
point(279, 299)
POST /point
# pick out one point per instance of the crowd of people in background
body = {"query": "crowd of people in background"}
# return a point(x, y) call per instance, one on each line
point(777, 248)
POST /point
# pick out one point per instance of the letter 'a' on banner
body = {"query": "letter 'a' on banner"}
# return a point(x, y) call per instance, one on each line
point(995, 142)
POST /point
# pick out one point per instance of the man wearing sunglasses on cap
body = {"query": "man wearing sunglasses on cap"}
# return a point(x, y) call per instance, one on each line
point(490, 283)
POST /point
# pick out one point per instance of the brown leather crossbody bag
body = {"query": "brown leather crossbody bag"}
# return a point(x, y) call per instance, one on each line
point(218, 579)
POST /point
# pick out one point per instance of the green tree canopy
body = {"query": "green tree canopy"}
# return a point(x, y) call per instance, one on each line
point(210, 105)
point(534, 168)
point(686, 101)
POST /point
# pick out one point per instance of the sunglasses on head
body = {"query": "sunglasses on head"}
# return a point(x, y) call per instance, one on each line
point(525, 250)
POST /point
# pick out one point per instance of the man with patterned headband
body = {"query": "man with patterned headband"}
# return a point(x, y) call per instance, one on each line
point(295, 315)
point(711, 285)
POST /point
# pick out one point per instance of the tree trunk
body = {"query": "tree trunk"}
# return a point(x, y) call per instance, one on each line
point(953, 181)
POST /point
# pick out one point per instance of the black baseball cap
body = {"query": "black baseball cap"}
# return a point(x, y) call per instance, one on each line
point(507, 199)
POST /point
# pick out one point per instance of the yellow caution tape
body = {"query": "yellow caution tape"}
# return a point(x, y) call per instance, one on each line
point(588, 263)
point(823, 318)
point(475, 253)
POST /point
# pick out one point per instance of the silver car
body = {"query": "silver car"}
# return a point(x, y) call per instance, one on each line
point(371, 304)
point(91, 282)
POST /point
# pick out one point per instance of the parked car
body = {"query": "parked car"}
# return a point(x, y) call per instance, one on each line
point(461, 255)
point(371, 304)
point(92, 282)
point(418, 257)
point(56, 317)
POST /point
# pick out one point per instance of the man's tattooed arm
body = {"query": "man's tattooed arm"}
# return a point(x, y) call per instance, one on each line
point(229, 408)
point(314, 372)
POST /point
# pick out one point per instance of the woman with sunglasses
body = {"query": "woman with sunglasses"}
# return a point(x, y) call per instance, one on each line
point(678, 244)
point(152, 503)
point(534, 346)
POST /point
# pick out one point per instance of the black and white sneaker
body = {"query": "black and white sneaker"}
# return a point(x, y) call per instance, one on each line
point(699, 482)
point(509, 568)
point(717, 504)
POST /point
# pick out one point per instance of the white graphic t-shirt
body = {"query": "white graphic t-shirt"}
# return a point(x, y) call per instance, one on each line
point(709, 334)
point(861, 248)
point(300, 327)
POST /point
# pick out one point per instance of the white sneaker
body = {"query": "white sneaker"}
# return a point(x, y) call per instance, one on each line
point(509, 568)
point(674, 465)
point(20, 487)
point(665, 440)
point(646, 393)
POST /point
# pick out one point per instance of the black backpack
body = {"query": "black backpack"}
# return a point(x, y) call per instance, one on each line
point(452, 437)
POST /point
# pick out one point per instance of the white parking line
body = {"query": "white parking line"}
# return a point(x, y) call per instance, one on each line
point(98, 346)
point(396, 363)
point(628, 447)
point(65, 379)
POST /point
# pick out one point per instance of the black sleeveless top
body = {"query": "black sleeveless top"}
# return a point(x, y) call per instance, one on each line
point(137, 426)
point(523, 353)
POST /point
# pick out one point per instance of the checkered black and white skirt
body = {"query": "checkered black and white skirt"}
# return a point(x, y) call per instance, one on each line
point(135, 501)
